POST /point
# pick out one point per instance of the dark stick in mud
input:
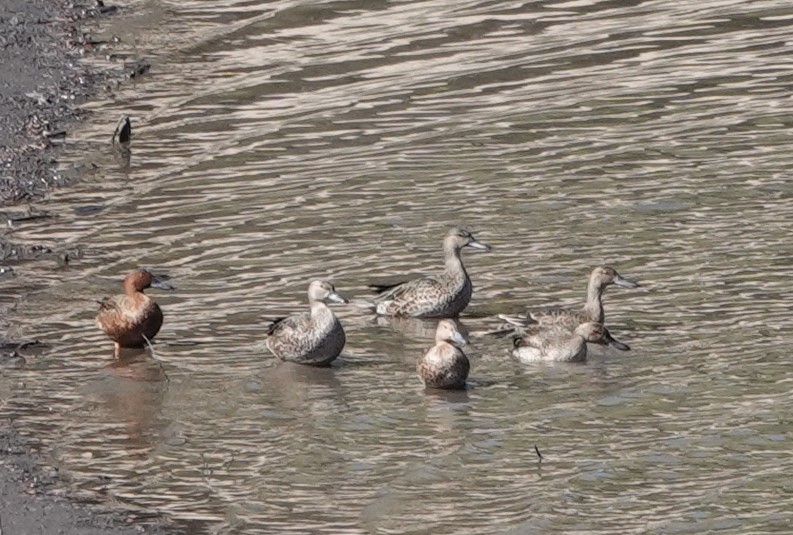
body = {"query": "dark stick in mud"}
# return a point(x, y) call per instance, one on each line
point(123, 132)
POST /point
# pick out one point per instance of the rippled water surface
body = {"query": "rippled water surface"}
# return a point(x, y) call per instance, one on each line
point(278, 142)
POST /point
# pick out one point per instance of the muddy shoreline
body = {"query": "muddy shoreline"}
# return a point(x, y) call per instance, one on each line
point(42, 84)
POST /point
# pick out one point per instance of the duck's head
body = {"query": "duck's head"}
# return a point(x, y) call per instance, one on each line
point(448, 331)
point(325, 292)
point(139, 279)
point(605, 275)
point(458, 238)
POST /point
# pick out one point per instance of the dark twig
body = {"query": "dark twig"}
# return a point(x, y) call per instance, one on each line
point(539, 455)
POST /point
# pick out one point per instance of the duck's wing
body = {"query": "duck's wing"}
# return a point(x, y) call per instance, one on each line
point(109, 304)
point(410, 289)
point(540, 336)
point(117, 316)
point(531, 336)
point(383, 288)
point(566, 317)
point(287, 325)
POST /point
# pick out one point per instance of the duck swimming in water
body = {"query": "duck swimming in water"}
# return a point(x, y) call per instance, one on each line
point(132, 318)
point(440, 296)
point(556, 343)
point(315, 338)
point(445, 365)
point(593, 311)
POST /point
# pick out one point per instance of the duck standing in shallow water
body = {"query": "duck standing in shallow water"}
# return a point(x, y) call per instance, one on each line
point(131, 319)
point(441, 296)
point(555, 343)
point(593, 311)
point(445, 365)
point(315, 338)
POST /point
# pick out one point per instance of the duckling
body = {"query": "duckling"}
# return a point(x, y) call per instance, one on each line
point(445, 365)
point(131, 319)
point(441, 296)
point(315, 338)
point(556, 343)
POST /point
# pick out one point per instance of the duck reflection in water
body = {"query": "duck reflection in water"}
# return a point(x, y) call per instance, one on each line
point(131, 390)
point(137, 364)
point(416, 327)
point(295, 387)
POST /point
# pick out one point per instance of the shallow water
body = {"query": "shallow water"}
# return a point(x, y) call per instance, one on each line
point(279, 142)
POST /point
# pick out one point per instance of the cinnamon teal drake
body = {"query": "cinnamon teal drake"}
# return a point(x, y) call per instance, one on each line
point(555, 343)
point(315, 338)
point(439, 296)
point(599, 280)
point(445, 365)
point(133, 318)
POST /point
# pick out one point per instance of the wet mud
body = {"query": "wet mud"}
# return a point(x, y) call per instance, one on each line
point(42, 83)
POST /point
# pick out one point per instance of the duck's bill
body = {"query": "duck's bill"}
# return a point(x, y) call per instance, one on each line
point(625, 283)
point(479, 245)
point(336, 297)
point(613, 342)
point(160, 284)
point(619, 345)
point(459, 339)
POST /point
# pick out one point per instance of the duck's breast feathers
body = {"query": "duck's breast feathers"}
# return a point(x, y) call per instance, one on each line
point(444, 366)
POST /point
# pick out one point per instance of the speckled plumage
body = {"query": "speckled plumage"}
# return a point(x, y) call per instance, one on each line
point(569, 319)
point(441, 296)
point(132, 318)
point(314, 338)
point(556, 342)
point(599, 280)
point(445, 365)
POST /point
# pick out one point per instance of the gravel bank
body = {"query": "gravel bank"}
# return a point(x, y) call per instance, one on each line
point(41, 85)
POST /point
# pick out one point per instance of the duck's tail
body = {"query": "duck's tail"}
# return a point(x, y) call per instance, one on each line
point(383, 288)
point(274, 322)
point(519, 320)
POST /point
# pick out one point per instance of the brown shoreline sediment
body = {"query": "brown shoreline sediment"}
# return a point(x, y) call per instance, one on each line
point(42, 84)
point(32, 502)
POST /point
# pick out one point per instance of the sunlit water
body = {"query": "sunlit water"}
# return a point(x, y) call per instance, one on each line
point(279, 142)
